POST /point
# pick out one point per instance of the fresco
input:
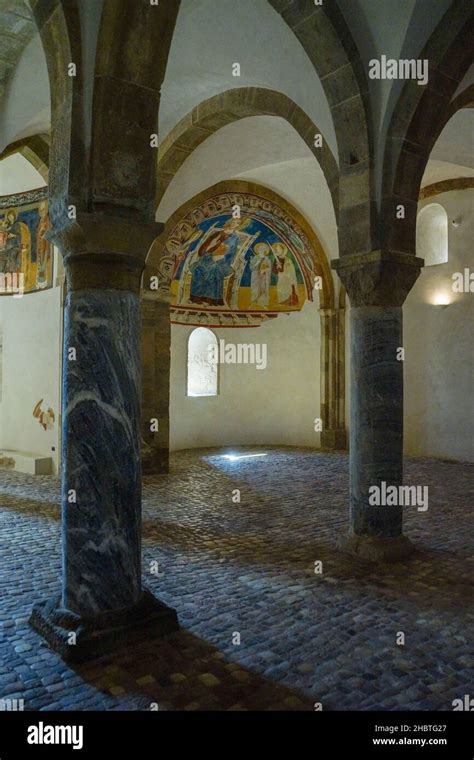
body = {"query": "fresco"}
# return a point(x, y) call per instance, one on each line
point(24, 249)
point(234, 255)
point(45, 417)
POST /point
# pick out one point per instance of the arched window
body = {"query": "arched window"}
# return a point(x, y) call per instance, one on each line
point(432, 234)
point(202, 363)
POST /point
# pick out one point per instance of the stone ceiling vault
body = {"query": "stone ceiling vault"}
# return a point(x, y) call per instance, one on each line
point(18, 28)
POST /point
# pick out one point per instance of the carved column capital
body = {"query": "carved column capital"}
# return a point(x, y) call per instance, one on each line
point(378, 278)
point(103, 251)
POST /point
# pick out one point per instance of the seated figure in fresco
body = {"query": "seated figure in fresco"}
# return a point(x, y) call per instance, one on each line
point(261, 268)
point(214, 263)
point(284, 268)
point(11, 244)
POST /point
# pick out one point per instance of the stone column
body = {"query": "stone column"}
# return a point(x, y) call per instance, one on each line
point(156, 360)
point(102, 603)
point(377, 284)
point(333, 435)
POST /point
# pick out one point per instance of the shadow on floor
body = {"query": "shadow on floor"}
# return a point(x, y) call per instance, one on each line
point(182, 672)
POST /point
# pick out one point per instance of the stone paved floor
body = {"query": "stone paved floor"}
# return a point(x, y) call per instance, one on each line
point(248, 567)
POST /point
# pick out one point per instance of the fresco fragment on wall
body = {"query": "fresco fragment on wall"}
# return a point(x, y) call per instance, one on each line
point(235, 255)
point(24, 250)
point(45, 417)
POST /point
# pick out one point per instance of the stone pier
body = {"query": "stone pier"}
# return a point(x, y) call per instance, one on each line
point(333, 435)
point(156, 361)
point(377, 284)
point(102, 603)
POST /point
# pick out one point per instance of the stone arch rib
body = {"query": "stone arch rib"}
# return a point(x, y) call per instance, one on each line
point(58, 23)
point(418, 119)
point(35, 149)
point(227, 107)
point(132, 54)
point(324, 35)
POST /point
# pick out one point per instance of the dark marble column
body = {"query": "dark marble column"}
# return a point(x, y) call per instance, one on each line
point(377, 284)
point(101, 453)
point(102, 603)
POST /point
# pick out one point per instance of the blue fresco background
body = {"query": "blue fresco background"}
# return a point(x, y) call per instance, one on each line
point(265, 235)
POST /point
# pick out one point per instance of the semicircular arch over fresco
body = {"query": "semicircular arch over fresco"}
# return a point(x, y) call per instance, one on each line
point(238, 254)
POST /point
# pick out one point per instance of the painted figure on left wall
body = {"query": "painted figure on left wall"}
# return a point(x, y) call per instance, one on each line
point(14, 238)
point(24, 249)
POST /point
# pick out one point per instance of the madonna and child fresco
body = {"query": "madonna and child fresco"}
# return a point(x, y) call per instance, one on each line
point(249, 257)
point(24, 250)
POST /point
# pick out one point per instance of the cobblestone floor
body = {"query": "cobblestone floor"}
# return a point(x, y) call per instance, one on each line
point(248, 568)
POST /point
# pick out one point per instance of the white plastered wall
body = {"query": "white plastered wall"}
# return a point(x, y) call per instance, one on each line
point(439, 348)
point(277, 405)
point(31, 329)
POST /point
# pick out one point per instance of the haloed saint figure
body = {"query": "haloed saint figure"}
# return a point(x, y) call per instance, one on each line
point(10, 242)
point(285, 271)
point(261, 268)
point(24, 248)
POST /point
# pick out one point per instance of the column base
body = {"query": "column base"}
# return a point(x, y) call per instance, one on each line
point(101, 634)
point(335, 440)
point(376, 549)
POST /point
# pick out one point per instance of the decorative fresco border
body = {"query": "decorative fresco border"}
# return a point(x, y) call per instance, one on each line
point(21, 199)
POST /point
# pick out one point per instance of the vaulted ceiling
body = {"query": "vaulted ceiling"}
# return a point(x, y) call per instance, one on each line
point(209, 36)
point(18, 28)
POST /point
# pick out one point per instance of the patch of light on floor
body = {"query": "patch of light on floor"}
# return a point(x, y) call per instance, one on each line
point(234, 457)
